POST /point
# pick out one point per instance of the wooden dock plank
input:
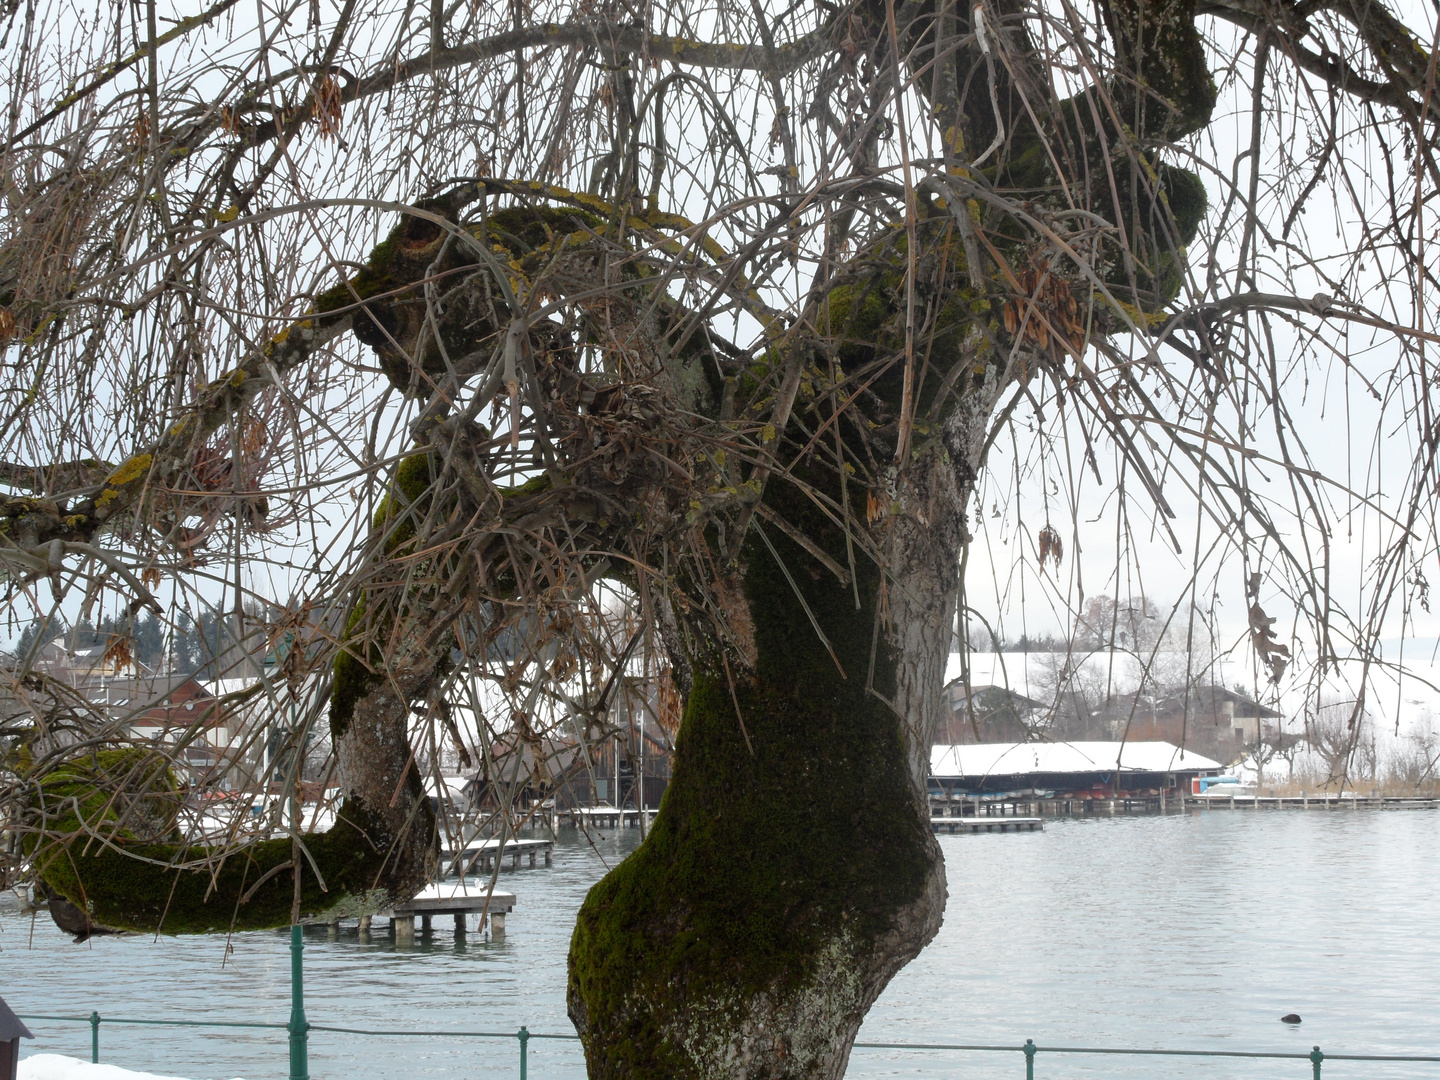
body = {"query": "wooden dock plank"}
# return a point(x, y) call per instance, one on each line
point(480, 854)
point(983, 824)
point(459, 901)
point(608, 816)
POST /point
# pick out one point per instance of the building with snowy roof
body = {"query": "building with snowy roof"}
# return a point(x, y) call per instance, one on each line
point(1066, 769)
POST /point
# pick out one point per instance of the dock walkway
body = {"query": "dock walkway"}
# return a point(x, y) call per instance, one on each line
point(608, 816)
point(1322, 801)
point(1011, 806)
point(983, 824)
point(481, 855)
point(457, 900)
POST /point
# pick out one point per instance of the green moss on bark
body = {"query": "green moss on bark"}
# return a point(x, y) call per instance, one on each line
point(757, 862)
point(130, 885)
point(353, 677)
point(1167, 92)
point(107, 855)
point(107, 859)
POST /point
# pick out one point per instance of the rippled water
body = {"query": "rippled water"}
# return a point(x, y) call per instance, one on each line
point(1193, 931)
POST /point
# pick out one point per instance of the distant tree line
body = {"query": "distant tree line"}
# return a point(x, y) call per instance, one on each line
point(187, 646)
point(1135, 624)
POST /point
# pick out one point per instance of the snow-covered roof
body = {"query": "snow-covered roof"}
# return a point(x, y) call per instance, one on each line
point(454, 785)
point(1012, 759)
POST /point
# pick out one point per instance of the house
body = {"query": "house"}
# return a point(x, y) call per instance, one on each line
point(580, 760)
point(185, 703)
point(641, 753)
point(986, 713)
point(1212, 719)
point(85, 664)
point(186, 712)
point(170, 710)
point(448, 794)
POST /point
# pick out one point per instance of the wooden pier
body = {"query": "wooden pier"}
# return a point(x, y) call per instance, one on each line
point(459, 901)
point(983, 824)
point(482, 855)
point(456, 900)
point(982, 808)
point(610, 817)
point(1320, 801)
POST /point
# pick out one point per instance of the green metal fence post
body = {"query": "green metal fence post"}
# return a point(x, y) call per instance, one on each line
point(94, 1038)
point(299, 1027)
point(1029, 1059)
point(1315, 1058)
point(524, 1037)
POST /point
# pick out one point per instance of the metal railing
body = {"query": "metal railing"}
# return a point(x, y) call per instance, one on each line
point(299, 1029)
point(1030, 1050)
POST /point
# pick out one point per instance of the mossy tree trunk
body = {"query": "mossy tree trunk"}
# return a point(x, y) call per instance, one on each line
point(791, 871)
point(124, 877)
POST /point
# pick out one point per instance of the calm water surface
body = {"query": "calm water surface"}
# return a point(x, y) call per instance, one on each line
point(1193, 931)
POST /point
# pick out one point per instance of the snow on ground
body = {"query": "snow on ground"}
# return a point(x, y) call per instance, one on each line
point(60, 1067)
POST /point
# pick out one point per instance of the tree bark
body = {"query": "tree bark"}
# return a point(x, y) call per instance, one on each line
point(380, 850)
point(791, 870)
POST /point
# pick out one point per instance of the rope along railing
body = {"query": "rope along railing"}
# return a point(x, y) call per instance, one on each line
point(299, 1029)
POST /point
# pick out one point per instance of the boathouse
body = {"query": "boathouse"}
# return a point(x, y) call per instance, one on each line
point(1066, 770)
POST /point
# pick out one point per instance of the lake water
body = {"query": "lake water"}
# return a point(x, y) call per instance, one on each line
point(1188, 931)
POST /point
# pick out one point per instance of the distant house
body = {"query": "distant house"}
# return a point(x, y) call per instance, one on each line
point(985, 714)
point(164, 710)
point(1212, 719)
point(449, 794)
point(1065, 769)
point(173, 710)
point(84, 664)
point(178, 709)
point(641, 750)
point(575, 774)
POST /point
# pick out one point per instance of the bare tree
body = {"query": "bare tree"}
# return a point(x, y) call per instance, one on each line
point(1413, 763)
point(1128, 624)
point(723, 304)
point(1286, 745)
point(1341, 733)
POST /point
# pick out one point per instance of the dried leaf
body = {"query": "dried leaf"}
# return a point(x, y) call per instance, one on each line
point(1051, 546)
point(255, 438)
point(119, 651)
point(877, 505)
point(327, 109)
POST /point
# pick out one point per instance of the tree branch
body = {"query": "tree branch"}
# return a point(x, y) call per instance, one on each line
point(110, 71)
point(607, 36)
point(1394, 48)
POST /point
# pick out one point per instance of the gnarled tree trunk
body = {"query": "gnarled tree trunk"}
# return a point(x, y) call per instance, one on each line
point(791, 870)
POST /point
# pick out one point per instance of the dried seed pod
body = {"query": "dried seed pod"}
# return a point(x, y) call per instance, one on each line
point(1051, 546)
point(327, 109)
